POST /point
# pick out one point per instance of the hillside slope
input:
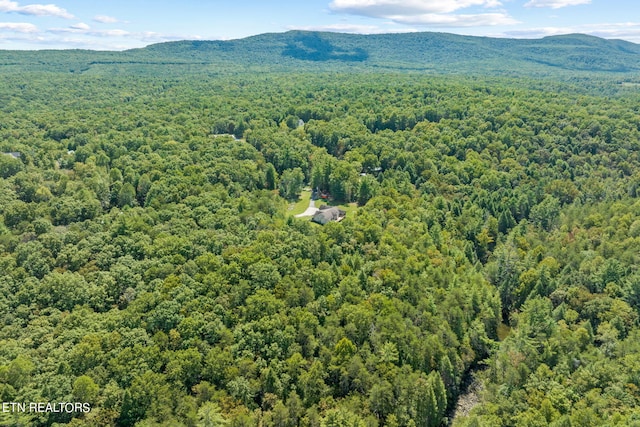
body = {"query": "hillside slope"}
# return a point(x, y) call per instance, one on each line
point(317, 51)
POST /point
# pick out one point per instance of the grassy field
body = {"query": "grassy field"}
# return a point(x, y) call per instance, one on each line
point(301, 205)
point(349, 208)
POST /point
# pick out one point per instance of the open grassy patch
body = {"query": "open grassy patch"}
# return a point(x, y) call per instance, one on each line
point(349, 208)
point(301, 205)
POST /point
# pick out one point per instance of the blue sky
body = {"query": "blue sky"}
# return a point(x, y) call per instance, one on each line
point(123, 24)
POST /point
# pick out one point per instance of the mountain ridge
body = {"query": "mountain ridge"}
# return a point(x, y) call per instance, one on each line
point(328, 51)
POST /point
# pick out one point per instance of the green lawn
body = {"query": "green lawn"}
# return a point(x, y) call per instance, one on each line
point(301, 205)
point(349, 208)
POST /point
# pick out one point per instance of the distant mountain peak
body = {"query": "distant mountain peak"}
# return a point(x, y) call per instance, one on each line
point(314, 51)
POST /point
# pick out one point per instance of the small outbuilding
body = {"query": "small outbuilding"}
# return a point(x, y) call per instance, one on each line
point(327, 214)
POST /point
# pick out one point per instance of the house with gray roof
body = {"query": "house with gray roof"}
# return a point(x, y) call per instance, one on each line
point(327, 214)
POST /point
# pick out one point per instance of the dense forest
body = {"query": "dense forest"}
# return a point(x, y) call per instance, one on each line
point(151, 265)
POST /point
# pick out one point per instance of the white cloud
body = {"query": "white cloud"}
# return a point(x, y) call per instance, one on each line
point(34, 9)
point(349, 28)
point(55, 39)
point(84, 37)
point(110, 33)
point(80, 26)
point(44, 10)
point(426, 12)
point(386, 8)
point(8, 6)
point(556, 4)
point(18, 27)
point(104, 19)
point(456, 20)
point(71, 29)
point(153, 37)
point(629, 31)
point(86, 30)
point(536, 33)
point(625, 31)
point(77, 35)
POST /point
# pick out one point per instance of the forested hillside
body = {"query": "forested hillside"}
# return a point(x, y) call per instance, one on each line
point(151, 267)
point(565, 57)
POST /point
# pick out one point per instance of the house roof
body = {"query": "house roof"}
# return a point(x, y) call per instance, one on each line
point(327, 214)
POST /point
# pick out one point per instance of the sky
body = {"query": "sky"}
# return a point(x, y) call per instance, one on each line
point(125, 24)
